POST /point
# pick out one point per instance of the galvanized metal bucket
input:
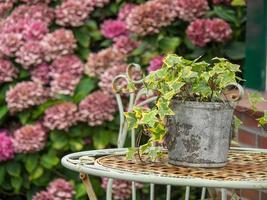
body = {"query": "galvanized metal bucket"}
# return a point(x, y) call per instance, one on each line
point(199, 133)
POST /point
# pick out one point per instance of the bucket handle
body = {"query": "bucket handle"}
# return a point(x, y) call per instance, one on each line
point(240, 92)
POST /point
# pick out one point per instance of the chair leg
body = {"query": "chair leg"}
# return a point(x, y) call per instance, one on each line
point(109, 189)
point(88, 186)
point(187, 193)
point(152, 188)
point(133, 191)
point(168, 195)
point(224, 194)
point(203, 193)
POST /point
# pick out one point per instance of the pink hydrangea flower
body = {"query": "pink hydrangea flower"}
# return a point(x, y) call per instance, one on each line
point(198, 32)
point(10, 43)
point(98, 62)
point(64, 84)
point(6, 147)
point(35, 30)
point(125, 11)
point(125, 44)
point(100, 3)
point(66, 73)
point(149, 17)
point(155, 63)
point(121, 190)
point(7, 71)
point(219, 30)
point(73, 12)
point(24, 95)
point(97, 108)
point(189, 10)
point(58, 43)
point(61, 116)
point(69, 63)
point(113, 28)
point(203, 31)
point(5, 7)
point(61, 189)
point(40, 74)
point(36, 1)
point(38, 12)
point(43, 195)
point(29, 138)
point(30, 53)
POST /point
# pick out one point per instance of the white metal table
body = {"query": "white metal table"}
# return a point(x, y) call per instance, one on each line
point(246, 169)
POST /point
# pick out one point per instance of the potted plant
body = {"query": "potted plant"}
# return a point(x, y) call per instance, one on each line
point(192, 114)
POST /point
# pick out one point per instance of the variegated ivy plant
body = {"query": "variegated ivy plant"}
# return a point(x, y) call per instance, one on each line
point(183, 79)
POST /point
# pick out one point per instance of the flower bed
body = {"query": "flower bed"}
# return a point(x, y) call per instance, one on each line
point(57, 62)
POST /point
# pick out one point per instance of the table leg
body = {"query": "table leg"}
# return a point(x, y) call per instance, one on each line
point(152, 188)
point(187, 193)
point(88, 186)
point(133, 191)
point(109, 189)
point(203, 193)
point(224, 194)
point(168, 195)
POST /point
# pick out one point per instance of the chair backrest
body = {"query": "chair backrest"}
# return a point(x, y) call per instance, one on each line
point(135, 98)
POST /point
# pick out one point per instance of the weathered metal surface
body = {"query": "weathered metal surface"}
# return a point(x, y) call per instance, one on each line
point(199, 133)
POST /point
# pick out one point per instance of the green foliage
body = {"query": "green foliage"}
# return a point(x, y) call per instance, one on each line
point(255, 98)
point(184, 80)
point(263, 120)
point(238, 3)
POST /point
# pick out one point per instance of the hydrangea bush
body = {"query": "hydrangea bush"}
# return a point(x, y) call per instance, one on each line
point(57, 62)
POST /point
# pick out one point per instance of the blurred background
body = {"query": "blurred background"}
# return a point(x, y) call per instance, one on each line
point(57, 62)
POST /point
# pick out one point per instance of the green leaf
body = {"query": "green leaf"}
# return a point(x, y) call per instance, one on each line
point(163, 108)
point(83, 53)
point(145, 147)
point(23, 74)
point(2, 174)
point(31, 162)
point(82, 36)
point(235, 51)
point(80, 191)
point(59, 139)
point(3, 90)
point(225, 13)
point(16, 183)
point(3, 112)
point(91, 25)
point(149, 118)
point(263, 120)
point(76, 145)
point(238, 2)
point(169, 44)
point(130, 153)
point(38, 172)
point(101, 139)
point(36, 113)
point(13, 169)
point(86, 85)
point(24, 117)
point(48, 161)
point(131, 119)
